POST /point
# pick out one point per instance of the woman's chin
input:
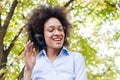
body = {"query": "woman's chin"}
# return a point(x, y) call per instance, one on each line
point(58, 46)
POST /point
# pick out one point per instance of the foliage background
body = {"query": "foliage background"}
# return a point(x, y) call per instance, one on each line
point(95, 34)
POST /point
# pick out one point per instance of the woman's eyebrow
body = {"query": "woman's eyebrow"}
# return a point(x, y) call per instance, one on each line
point(54, 26)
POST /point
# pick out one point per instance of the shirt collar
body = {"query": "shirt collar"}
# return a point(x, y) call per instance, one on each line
point(63, 51)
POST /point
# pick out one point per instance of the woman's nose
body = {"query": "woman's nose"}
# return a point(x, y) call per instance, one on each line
point(56, 32)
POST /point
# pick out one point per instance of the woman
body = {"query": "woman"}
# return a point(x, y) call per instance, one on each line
point(48, 29)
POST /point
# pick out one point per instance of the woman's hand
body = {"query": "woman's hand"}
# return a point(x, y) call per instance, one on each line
point(29, 56)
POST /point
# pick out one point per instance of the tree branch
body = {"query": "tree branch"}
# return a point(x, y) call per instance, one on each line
point(68, 3)
point(112, 5)
point(8, 18)
point(13, 42)
point(17, 58)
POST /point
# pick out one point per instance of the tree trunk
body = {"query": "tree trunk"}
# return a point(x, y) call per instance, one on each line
point(3, 29)
point(3, 57)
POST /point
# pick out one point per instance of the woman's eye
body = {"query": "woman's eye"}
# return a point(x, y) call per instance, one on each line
point(50, 30)
point(60, 29)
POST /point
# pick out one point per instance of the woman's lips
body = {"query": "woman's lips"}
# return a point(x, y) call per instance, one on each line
point(58, 40)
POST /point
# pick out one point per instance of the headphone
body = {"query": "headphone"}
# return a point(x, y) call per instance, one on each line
point(40, 40)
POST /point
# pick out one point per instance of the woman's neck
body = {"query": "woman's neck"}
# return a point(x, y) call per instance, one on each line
point(52, 53)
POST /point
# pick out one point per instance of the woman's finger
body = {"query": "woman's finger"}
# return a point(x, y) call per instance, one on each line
point(34, 52)
point(28, 48)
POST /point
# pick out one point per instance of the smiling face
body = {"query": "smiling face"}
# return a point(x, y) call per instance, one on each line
point(53, 33)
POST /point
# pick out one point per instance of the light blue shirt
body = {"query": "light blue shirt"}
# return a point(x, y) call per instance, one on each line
point(66, 66)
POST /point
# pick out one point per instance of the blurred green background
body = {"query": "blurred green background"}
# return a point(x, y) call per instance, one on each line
point(95, 34)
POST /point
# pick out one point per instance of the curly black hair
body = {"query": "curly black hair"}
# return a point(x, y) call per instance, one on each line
point(35, 24)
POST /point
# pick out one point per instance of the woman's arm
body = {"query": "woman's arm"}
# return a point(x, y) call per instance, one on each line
point(80, 68)
point(29, 59)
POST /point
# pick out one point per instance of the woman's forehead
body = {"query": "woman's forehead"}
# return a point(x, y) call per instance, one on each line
point(52, 22)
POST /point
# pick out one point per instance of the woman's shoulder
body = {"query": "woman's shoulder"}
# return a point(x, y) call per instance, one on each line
point(76, 55)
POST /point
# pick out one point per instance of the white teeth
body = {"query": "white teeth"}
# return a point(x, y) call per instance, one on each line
point(57, 39)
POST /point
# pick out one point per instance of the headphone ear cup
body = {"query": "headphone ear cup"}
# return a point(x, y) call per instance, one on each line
point(41, 43)
point(40, 40)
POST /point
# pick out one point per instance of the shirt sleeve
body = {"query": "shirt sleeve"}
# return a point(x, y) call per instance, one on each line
point(80, 68)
